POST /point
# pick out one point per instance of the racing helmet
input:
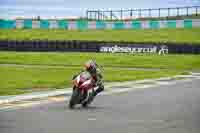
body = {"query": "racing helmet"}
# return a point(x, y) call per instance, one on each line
point(90, 66)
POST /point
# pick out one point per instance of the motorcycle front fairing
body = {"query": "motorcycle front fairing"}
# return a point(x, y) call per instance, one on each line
point(84, 81)
point(86, 85)
point(83, 86)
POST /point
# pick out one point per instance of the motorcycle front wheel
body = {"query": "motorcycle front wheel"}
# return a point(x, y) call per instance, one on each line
point(75, 98)
point(89, 100)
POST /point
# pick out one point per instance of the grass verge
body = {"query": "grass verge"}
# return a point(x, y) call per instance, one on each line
point(176, 62)
point(141, 35)
point(18, 80)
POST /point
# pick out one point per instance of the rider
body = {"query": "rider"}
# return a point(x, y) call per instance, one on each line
point(92, 67)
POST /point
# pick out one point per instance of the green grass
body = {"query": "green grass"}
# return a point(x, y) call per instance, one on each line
point(176, 62)
point(54, 70)
point(147, 35)
point(18, 80)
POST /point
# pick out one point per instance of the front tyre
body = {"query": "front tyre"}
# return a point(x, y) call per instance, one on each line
point(74, 98)
point(89, 100)
point(85, 104)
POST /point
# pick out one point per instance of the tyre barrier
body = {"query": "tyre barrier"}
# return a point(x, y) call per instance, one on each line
point(99, 46)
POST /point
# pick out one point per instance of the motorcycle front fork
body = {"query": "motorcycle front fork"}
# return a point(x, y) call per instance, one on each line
point(86, 96)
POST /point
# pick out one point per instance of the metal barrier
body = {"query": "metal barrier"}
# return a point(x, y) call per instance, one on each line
point(141, 13)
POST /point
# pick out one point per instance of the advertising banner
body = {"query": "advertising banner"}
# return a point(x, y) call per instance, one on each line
point(160, 49)
point(102, 47)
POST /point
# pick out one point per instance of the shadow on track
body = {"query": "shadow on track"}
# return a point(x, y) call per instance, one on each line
point(89, 108)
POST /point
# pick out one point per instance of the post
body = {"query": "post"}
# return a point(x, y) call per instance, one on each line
point(87, 14)
point(159, 12)
point(104, 15)
point(121, 15)
point(98, 14)
point(196, 11)
point(168, 12)
point(177, 12)
point(90, 14)
point(131, 14)
point(187, 10)
point(139, 13)
point(150, 13)
point(101, 15)
point(95, 15)
point(111, 14)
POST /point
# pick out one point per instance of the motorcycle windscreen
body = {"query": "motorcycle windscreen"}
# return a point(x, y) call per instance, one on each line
point(85, 75)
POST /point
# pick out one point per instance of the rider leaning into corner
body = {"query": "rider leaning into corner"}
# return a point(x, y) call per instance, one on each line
point(92, 67)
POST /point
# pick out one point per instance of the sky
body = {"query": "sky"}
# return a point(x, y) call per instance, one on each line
point(69, 8)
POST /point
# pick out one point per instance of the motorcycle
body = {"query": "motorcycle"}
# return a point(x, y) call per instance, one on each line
point(83, 87)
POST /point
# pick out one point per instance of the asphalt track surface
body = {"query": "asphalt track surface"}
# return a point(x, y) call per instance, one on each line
point(163, 109)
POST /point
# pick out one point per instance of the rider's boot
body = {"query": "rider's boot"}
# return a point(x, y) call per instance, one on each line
point(94, 94)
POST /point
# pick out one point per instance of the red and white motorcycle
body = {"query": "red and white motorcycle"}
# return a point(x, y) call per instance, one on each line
point(83, 87)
